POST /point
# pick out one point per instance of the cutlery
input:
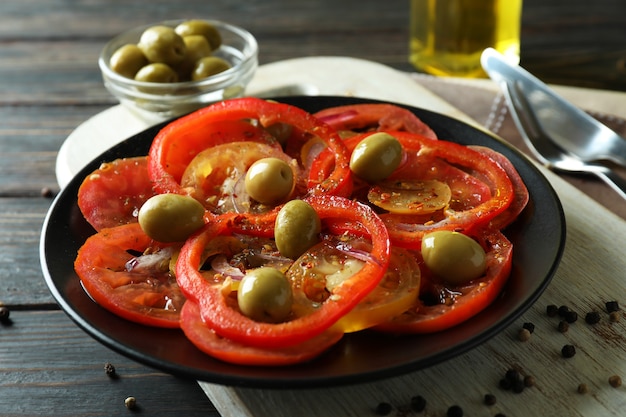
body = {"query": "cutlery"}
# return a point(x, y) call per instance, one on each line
point(568, 126)
point(544, 149)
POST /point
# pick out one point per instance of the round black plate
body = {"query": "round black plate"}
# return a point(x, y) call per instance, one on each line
point(538, 237)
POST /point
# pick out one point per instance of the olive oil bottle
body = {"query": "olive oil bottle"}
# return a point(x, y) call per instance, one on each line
point(447, 37)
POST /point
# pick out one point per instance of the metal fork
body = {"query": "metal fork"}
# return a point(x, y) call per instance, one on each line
point(546, 151)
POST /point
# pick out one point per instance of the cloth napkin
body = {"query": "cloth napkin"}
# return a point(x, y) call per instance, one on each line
point(488, 107)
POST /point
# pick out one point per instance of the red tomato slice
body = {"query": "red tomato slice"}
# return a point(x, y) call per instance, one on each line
point(521, 195)
point(230, 323)
point(382, 117)
point(177, 143)
point(457, 304)
point(144, 290)
point(227, 350)
point(113, 193)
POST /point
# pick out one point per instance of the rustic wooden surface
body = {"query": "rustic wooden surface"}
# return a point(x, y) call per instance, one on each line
point(50, 83)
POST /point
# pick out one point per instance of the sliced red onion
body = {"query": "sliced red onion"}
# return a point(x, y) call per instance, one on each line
point(158, 261)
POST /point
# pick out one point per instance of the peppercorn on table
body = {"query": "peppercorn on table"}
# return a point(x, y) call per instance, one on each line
point(51, 86)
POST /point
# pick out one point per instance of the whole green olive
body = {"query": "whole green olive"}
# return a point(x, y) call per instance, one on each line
point(296, 229)
point(453, 256)
point(127, 60)
point(265, 294)
point(208, 66)
point(269, 180)
point(157, 73)
point(171, 217)
point(376, 157)
point(162, 44)
point(201, 27)
point(197, 47)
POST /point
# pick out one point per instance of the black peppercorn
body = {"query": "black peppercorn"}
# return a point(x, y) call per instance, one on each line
point(593, 317)
point(563, 326)
point(563, 310)
point(489, 399)
point(611, 306)
point(383, 409)
point(4, 314)
point(109, 370)
point(571, 316)
point(529, 326)
point(455, 411)
point(568, 351)
point(418, 403)
point(552, 310)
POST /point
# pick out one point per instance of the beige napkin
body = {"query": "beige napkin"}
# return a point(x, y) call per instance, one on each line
point(488, 107)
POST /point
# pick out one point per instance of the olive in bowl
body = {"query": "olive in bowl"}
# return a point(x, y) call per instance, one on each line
point(166, 69)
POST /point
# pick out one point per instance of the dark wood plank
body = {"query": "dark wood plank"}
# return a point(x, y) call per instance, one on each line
point(51, 368)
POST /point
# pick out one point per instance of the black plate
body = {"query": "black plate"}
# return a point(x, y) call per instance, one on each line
point(538, 237)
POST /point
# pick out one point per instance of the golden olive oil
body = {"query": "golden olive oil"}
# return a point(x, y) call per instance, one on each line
point(447, 37)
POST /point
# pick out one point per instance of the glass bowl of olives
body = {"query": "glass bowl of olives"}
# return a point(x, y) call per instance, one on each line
point(170, 68)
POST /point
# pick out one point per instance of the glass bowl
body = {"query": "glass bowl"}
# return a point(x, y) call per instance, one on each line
point(160, 101)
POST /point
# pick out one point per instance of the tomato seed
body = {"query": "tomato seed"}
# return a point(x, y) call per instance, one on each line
point(563, 326)
point(583, 388)
point(615, 381)
point(568, 351)
point(614, 316)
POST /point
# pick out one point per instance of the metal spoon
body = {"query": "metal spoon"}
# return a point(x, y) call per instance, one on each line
point(542, 146)
point(568, 126)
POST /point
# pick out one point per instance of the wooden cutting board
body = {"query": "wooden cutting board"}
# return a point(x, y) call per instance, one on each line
point(591, 273)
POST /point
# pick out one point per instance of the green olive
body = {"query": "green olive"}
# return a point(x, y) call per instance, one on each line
point(208, 66)
point(264, 294)
point(127, 60)
point(201, 27)
point(162, 44)
point(296, 229)
point(376, 157)
point(170, 217)
point(453, 256)
point(197, 47)
point(157, 73)
point(269, 180)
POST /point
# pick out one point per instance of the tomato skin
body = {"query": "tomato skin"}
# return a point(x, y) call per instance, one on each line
point(112, 194)
point(139, 297)
point(228, 322)
point(192, 126)
point(205, 339)
point(477, 295)
point(377, 116)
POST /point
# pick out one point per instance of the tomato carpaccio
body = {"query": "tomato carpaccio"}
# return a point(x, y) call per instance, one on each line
point(361, 266)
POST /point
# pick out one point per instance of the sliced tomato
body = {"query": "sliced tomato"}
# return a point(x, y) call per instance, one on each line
point(113, 193)
point(228, 322)
point(395, 294)
point(216, 175)
point(205, 339)
point(382, 117)
point(127, 273)
point(177, 143)
point(441, 307)
point(520, 192)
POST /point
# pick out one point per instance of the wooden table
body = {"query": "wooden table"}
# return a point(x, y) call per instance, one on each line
point(50, 84)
